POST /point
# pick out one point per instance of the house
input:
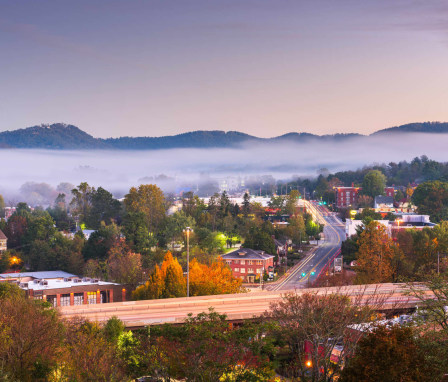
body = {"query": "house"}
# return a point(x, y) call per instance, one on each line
point(248, 264)
point(383, 202)
point(3, 241)
point(64, 289)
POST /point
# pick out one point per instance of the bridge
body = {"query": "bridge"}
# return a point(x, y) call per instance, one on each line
point(237, 307)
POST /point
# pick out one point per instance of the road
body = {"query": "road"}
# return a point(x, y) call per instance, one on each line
point(315, 263)
point(237, 307)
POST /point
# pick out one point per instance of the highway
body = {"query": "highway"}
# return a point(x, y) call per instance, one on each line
point(237, 307)
point(315, 263)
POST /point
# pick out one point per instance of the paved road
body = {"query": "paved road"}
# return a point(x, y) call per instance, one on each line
point(318, 260)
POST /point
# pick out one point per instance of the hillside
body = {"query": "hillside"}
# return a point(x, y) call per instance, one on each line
point(61, 136)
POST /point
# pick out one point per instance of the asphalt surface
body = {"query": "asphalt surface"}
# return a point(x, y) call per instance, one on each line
point(315, 263)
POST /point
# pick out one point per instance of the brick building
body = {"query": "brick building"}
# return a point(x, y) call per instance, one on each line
point(248, 264)
point(3, 241)
point(348, 196)
point(63, 289)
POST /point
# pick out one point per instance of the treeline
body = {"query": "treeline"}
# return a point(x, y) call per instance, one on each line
point(308, 337)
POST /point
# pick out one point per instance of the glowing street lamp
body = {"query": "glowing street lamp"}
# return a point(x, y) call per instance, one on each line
point(187, 232)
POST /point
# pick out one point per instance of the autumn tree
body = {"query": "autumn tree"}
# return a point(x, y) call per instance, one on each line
point(30, 336)
point(310, 325)
point(164, 282)
point(124, 266)
point(291, 202)
point(375, 254)
point(148, 199)
point(215, 278)
point(389, 354)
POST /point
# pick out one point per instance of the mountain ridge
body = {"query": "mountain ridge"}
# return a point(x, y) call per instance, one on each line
point(61, 136)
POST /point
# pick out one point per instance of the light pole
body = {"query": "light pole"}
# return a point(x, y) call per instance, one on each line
point(187, 232)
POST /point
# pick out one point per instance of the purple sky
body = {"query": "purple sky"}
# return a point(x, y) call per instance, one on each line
point(263, 67)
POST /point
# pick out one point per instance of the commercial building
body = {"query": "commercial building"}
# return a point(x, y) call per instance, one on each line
point(248, 264)
point(348, 196)
point(63, 289)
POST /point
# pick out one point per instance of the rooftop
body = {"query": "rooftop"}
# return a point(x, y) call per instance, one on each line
point(247, 253)
point(38, 275)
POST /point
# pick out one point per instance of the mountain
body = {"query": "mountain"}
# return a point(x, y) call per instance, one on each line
point(419, 127)
point(60, 136)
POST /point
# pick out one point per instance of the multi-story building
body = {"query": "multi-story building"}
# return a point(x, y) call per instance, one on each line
point(64, 289)
point(347, 196)
point(248, 264)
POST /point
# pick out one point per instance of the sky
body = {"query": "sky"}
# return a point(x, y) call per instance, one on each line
point(263, 67)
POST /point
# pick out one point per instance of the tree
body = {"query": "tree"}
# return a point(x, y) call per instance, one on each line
point(246, 204)
point(29, 348)
point(149, 200)
point(81, 202)
point(310, 325)
point(175, 224)
point(96, 359)
point(291, 202)
point(431, 198)
point(100, 242)
point(137, 232)
point(124, 266)
point(105, 208)
point(388, 354)
point(374, 183)
point(215, 278)
point(204, 349)
point(259, 239)
point(375, 254)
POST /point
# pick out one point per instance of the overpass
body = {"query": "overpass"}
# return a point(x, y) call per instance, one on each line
point(237, 307)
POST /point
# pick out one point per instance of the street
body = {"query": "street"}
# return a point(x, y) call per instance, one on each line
point(315, 263)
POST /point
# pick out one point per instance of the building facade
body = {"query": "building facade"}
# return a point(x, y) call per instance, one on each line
point(248, 264)
point(64, 289)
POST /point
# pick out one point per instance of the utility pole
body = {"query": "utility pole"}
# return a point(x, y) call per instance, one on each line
point(187, 232)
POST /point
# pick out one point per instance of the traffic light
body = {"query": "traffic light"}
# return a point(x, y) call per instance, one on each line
point(313, 273)
point(303, 274)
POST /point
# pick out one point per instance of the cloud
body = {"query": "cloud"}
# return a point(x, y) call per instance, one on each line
point(117, 171)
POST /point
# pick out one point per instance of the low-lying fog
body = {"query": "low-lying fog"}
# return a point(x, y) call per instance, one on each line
point(118, 170)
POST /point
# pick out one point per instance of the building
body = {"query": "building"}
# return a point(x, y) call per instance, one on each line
point(347, 196)
point(403, 222)
point(248, 264)
point(3, 241)
point(63, 289)
point(382, 202)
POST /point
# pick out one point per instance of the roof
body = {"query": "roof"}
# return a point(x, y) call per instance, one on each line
point(38, 275)
point(61, 284)
point(2, 235)
point(384, 199)
point(248, 254)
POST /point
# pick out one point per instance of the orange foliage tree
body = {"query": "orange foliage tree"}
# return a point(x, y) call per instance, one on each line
point(169, 281)
point(376, 255)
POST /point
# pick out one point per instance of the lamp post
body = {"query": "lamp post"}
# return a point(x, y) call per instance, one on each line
point(187, 232)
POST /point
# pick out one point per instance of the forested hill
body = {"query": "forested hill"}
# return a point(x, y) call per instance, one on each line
point(61, 136)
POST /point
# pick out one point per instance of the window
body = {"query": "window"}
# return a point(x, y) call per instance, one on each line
point(250, 270)
point(229, 262)
point(236, 261)
point(78, 299)
point(259, 262)
point(237, 269)
point(258, 270)
point(243, 262)
point(249, 262)
point(52, 299)
point(65, 299)
point(243, 270)
point(91, 297)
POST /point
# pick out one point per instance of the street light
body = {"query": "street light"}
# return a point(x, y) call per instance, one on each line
point(187, 232)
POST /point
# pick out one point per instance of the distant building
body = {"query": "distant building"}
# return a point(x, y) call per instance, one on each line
point(248, 264)
point(383, 202)
point(352, 225)
point(3, 241)
point(348, 196)
point(64, 289)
